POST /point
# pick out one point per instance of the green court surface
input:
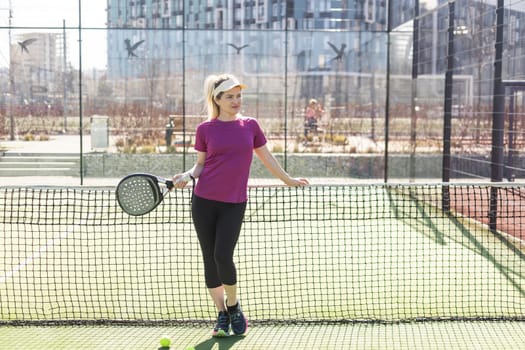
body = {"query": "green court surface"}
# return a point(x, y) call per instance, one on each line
point(326, 267)
point(421, 335)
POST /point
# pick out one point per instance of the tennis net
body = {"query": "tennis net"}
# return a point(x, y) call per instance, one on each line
point(323, 253)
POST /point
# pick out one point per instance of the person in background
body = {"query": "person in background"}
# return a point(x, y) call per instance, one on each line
point(225, 144)
point(314, 112)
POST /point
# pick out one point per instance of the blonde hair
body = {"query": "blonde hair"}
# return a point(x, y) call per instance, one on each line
point(211, 82)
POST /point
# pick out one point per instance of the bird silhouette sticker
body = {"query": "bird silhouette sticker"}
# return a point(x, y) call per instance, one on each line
point(339, 52)
point(238, 48)
point(131, 48)
point(24, 44)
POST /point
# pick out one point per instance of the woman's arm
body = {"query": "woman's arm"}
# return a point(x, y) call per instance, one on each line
point(194, 172)
point(275, 168)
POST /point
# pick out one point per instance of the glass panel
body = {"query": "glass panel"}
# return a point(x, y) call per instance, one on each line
point(144, 62)
point(345, 74)
point(38, 80)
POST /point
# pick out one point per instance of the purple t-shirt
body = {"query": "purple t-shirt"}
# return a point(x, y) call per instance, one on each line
point(229, 152)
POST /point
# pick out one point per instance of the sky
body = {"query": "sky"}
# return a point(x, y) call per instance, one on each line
point(51, 13)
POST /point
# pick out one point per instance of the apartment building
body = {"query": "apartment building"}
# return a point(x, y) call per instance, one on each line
point(248, 14)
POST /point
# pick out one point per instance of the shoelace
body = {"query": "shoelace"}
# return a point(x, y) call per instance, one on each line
point(223, 319)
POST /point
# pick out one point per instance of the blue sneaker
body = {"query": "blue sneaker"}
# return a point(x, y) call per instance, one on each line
point(222, 328)
point(239, 323)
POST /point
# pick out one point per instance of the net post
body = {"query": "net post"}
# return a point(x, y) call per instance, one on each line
point(493, 208)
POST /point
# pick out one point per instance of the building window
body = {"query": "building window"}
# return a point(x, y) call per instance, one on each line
point(310, 6)
point(179, 21)
point(238, 14)
point(179, 5)
point(370, 11)
point(324, 5)
point(155, 7)
point(156, 22)
point(166, 8)
point(219, 18)
point(143, 9)
point(261, 7)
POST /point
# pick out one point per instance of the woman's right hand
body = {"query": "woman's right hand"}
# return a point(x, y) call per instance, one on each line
point(181, 180)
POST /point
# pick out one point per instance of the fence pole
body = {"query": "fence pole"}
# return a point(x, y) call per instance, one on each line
point(447, 123)
point(184, 150)
point(413, 106)
point(80, 111)
point(387, 92)
point(498, 114)
point(285, 161)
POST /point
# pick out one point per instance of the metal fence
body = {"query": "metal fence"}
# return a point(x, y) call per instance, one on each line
point(406, 78)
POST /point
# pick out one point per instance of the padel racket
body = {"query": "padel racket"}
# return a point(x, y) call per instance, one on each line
point(140, 193)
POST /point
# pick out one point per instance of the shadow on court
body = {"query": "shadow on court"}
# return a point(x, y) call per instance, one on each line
point(219, 343)
point(424, 223)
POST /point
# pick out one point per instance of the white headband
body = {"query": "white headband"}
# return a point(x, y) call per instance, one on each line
point(226, 85)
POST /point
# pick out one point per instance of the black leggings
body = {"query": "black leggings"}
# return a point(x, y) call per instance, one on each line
point(218, 225)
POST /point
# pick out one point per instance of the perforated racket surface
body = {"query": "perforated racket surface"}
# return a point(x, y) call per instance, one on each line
point(139, 194)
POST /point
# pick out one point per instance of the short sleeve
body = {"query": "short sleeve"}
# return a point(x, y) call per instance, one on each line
point(259, 139)
point(200, 140)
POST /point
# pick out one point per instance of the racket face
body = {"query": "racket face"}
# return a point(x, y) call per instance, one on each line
point(138, 194)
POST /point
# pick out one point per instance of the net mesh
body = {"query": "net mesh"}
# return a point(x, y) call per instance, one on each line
point(331, 253)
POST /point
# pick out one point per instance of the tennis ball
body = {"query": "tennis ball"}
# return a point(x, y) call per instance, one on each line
point(165, 342)
point(190, 348)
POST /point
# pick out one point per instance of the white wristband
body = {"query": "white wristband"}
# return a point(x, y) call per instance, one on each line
point(187, 177)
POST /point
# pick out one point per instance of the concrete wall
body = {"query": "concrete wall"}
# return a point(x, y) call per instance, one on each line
point(310, 165)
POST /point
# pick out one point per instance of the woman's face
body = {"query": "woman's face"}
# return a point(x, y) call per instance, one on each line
point(230, 101)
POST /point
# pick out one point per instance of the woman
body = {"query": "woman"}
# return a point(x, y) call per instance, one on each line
point(225, 143)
